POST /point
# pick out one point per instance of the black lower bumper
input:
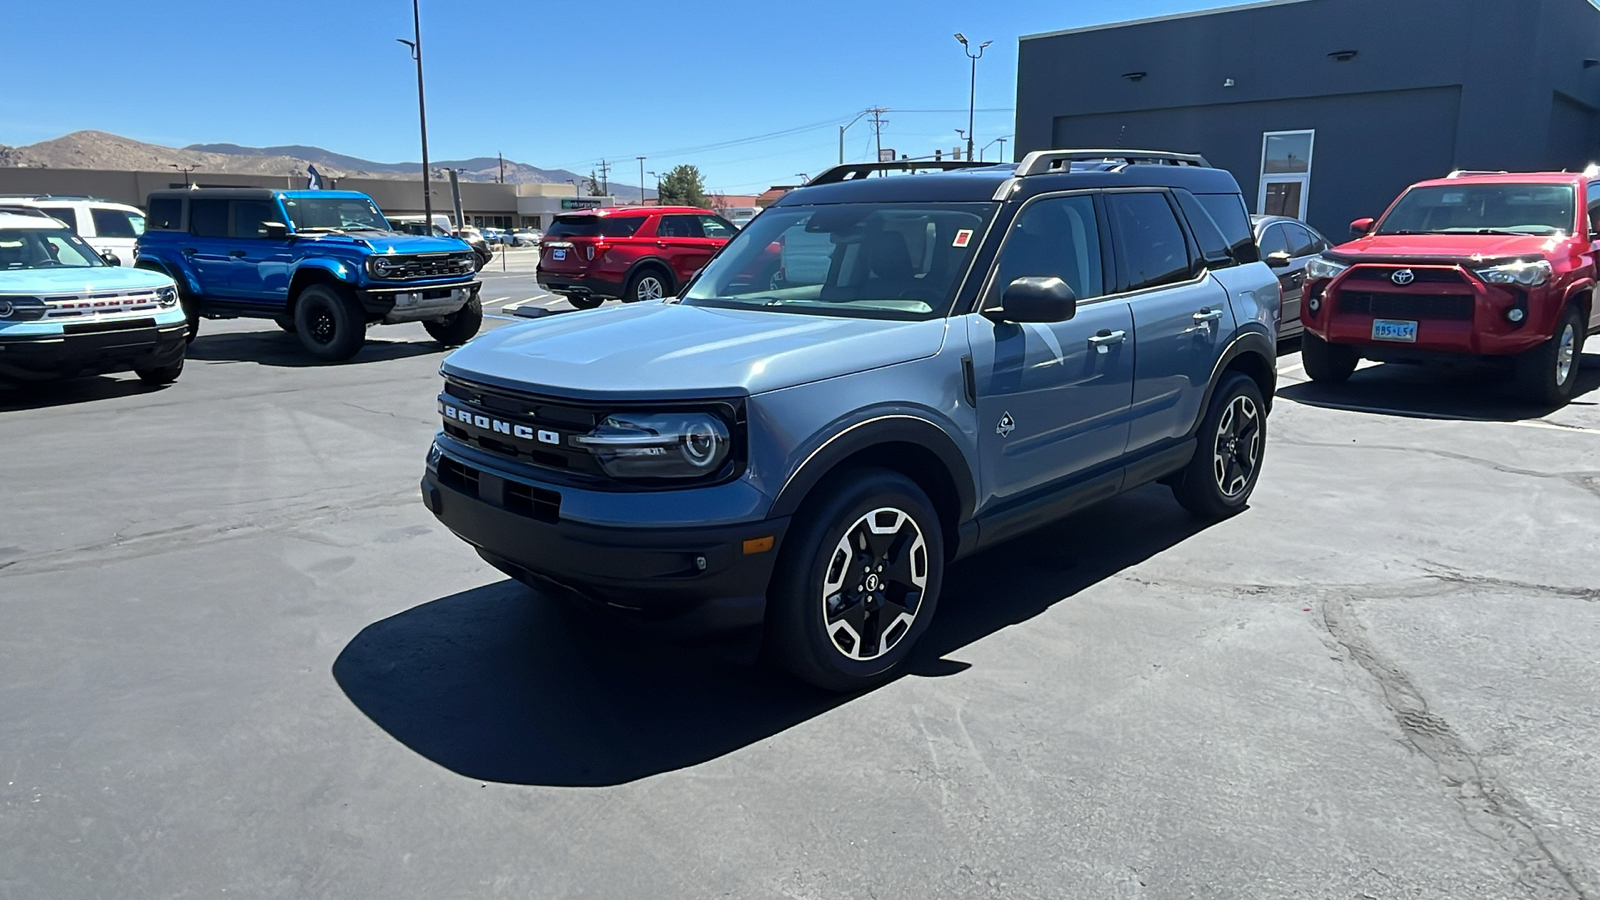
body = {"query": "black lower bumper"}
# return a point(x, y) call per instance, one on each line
point(580, 285)
point(91, 352)
point(688, 581)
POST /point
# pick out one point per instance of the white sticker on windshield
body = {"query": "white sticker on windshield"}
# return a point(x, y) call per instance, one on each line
point(963, 238)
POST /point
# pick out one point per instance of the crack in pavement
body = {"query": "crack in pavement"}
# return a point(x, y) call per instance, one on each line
point(1587, 481)
point(1545, 866)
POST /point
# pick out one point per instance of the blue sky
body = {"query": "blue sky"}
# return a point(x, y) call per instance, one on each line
point(551, 84)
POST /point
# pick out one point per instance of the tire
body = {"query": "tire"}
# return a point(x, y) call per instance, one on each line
point(822, 628)
point(1327, 363)
point(1548, 374)
point(646, 284)
point(160, 375)
point(329, 323)
point(584, 301)
point(1218, 481)
point(286, 323)
point(458, 327)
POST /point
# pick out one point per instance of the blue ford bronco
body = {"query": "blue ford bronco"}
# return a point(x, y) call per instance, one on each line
point(878, 375)
point(65, 312)
point(322, 264)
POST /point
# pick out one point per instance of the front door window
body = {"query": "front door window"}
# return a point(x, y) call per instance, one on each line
point(1285, 173)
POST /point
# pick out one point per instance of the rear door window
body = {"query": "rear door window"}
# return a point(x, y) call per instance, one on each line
point(166, 214)
point(680, 227)
point(1150, 243)
point(208, 218)
point(116, 223)
point(65, 213)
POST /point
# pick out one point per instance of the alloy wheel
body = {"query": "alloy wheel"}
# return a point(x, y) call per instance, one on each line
point(1566, 354)
point(874, 584)
point(650, 288)
point(1237, 450)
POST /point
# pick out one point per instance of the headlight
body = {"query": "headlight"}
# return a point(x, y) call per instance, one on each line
point(1319, 268)
point(659, 445)
point(1522, 272)
point(385, 267)
point(21, 309)
point(167, 297)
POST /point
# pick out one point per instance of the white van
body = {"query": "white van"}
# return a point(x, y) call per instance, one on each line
point(103, 225)
point(740, 216)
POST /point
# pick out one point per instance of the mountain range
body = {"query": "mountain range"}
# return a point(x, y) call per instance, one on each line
point(100, 150)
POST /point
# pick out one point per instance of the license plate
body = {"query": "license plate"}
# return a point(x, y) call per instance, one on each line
point(558, 254)
point(1394, 330)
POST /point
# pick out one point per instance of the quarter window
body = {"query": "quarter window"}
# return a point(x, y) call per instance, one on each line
point(116, 223)
point(1213, 246)
point(1150, 241)
point(1058, 236)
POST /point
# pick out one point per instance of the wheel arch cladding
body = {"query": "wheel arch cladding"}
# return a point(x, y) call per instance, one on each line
point(1251, 353)
point(306, 276)
point(656, 264)
point(915, 448)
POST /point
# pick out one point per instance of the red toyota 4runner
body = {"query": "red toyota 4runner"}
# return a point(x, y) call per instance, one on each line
point(629, 252)
point(1473, 265)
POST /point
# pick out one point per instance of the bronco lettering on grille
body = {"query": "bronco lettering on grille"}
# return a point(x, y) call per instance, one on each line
point(499, 426)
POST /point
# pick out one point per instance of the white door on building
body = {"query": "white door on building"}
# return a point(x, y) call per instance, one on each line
point(1285, 173)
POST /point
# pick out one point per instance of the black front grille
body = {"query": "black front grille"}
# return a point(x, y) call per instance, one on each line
point(548, 427)
point(535, 503)
point(429, 265)
point(1385, 275)
point(463, 478)
point(1388, 305)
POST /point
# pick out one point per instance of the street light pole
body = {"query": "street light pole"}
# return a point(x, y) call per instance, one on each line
point(972, 97)
point(842, 128)
point(422, 106)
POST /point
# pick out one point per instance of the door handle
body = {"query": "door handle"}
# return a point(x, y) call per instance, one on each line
point(1103, 341)
point(1208, 315)
point(236, 254)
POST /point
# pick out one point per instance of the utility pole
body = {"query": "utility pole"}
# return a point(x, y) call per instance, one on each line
point(605, 175)
point(641, 181)
point(657, 177)
point(878, 121)
point(502, 167)
point(422, 106)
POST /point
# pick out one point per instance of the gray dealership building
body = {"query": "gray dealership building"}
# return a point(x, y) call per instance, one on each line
point(1326, 109)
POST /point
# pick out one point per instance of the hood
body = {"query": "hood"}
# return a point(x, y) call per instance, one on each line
point(80, 280)
point(1471, 248)
point(669, 351)
point(382, 242)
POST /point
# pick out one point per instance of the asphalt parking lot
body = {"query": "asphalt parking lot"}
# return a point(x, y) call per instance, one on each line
point(240, 658)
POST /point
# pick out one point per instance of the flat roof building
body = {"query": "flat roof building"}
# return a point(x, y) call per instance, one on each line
point(1326, 109)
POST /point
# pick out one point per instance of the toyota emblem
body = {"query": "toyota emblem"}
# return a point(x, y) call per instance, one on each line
point(1403, 277)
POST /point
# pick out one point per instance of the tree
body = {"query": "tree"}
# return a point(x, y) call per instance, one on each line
point(594, 184)
point(683, 186)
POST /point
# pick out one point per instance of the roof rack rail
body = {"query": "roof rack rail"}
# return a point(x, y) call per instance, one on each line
point(853, 171)
point(34, 195)
point(1040, 162)
point(1461, 173)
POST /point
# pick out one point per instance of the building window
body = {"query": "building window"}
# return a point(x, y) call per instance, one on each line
point(1285, 173)
point(532, 222)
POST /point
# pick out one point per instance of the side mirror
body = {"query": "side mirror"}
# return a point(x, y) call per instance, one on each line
point(275, 231)
point(111, 258)
point(1279, 260)
point(1035, 299)
point(1362, 227)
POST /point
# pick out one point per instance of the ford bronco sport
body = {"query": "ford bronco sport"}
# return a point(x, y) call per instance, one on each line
point(801, 449)
point(630, 252)
point(1473, 266)
point(323, 264)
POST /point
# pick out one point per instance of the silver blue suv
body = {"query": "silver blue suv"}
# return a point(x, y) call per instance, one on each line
point(877, 376)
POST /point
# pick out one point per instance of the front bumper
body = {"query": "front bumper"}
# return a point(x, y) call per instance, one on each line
point(395, 303)
point(688, 581)
point(1457, 314)
point(91, 349)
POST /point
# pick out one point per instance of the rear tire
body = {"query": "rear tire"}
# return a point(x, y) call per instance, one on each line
point(1548, 374)
point(857, 581)
point(1327, 363)
point(329, 323)
point(584, 301)
point(458, 327)
point(646, 284)
point(160, 375)
point(1218, 481)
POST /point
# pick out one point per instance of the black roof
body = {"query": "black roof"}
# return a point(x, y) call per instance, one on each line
point(224, 193)
point(977, 182)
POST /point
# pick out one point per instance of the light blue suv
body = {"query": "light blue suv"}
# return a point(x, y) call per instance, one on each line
point(65, 312)
point(875, 377)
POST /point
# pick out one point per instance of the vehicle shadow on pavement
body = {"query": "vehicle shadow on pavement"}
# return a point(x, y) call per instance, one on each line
point(499, 684)
point(1467, 392)
point(92, 389)
point(276, 348)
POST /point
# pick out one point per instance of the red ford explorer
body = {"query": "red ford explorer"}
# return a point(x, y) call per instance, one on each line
point(631, 252)
point(1495, 266)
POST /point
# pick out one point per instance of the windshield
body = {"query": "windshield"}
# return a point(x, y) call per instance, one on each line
point(1483, 209)
point(334, 214)
point(872, 260)
point(44, 248)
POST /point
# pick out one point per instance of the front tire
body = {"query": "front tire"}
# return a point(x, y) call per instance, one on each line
point(1218, 481)
point(1548, 374)
point(1326, 363)
point(458, 327)
point(857, 582)
point(160, 375)
point(286, 323)
point(646, 284)
point(329, 323)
